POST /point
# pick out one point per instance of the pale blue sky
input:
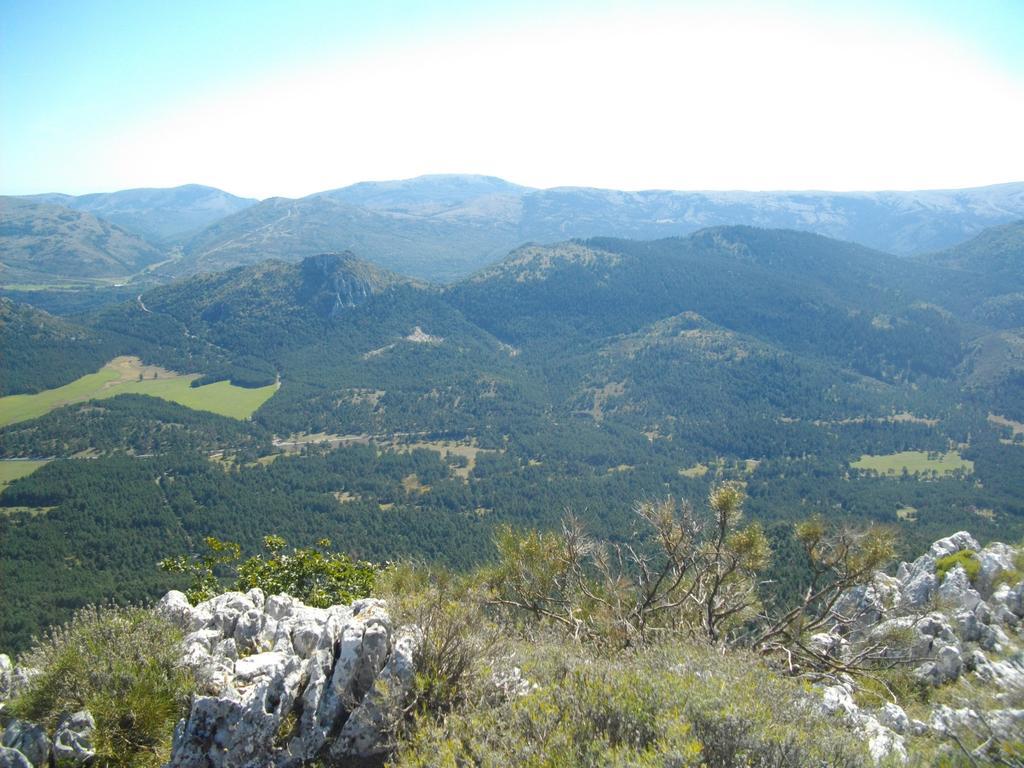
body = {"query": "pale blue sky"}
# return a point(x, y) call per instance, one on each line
point(289, 98)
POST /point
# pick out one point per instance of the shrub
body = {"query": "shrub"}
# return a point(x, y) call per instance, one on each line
point(314, 575)
point(459, 640)
point(965, 558)
point(121, 664)
point(685, 706)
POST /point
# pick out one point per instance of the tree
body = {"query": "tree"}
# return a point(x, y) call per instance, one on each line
point(685, 573)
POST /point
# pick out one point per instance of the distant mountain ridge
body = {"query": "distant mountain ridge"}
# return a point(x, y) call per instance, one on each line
point(445, 227)
point(158, 215)
point(448, 226)
point(39, 240)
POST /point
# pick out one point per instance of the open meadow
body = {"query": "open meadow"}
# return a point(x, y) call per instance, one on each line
point(128, 375)
point(915, 463)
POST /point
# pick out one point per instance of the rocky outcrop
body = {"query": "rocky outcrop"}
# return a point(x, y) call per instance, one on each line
point(25, 744)
point(283, 684)
point(945, 626)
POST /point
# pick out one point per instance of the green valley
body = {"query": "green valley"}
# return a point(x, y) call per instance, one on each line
point(404, 419)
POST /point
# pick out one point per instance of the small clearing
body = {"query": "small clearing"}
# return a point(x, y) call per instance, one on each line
point(697, 470)
point(904, 417)
point(919, 463)
point(15, 469)
point(1016, 428)
point(411, 484)
point(907, 514)
point(603, 395)
point(295, 443)
point(465, 448)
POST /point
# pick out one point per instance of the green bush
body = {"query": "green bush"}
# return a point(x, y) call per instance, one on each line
point(121, 664)
point(314, 575)
point(459, 638)
point(966, 558)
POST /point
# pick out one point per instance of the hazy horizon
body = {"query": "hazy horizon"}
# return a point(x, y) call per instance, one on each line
point(289, 100)
point(534, 188)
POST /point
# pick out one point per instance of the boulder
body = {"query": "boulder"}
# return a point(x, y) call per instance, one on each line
point(885, 745)
point(894, 718)
point(1004, 674)
point(995, 561)
point(956, 593)
point(920, 586)
point(72, 741)
point(865, 605)
point(175, 608)
point(952, 544)
point(837, 700)
point(827, 644)
point(28, 739)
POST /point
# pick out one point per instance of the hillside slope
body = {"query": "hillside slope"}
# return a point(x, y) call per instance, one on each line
point(161, 216)
point(40, 242)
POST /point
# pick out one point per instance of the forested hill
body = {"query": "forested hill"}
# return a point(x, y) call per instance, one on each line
point(823, 375)
point(39, 240)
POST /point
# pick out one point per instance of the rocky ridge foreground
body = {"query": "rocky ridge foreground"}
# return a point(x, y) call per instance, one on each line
point(282, 684)
point(946, 626)
point(279, 683)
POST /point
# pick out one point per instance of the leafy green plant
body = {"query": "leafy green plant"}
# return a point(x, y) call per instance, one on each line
point(121, 664)
point(965, 558)
point(314, 575)
point(205, 569)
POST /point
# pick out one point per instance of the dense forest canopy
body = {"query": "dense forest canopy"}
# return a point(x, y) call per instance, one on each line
point(411, 420)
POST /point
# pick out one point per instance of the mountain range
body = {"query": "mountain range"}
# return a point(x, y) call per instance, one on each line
point(442, 228)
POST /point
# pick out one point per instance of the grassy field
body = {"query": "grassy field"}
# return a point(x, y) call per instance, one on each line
point(915, 463)
point(907, 514)
point(11, 470)
point(127, 375)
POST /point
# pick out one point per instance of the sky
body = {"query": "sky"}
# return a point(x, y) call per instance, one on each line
point(291, 98)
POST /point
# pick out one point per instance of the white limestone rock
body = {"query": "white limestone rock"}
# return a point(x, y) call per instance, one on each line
point(956, 593)
point(995, 561)
point(946, 720)
point(72, 741)
point(884, 744)
point(894, 718)
point(837, 700)
point(952, 544)
point(337, 673)
point(176, 608)
point(1004, 674)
